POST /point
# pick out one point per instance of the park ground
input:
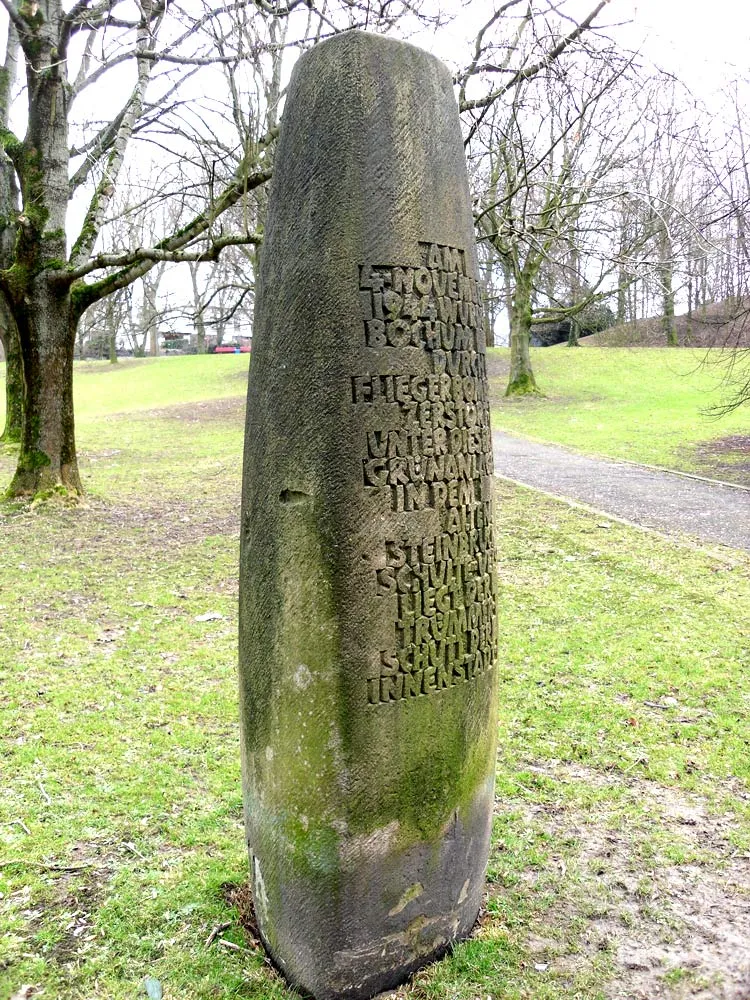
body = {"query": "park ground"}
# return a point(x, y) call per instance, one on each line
point(620, 863)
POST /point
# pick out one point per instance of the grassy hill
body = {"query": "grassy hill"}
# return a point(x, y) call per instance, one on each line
point(718, 324)
point(650, 406)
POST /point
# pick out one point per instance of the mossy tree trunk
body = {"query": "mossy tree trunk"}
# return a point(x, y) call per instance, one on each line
point(668, 323)
point(44, 285)
point(521, 380)
point(47, 331)
point(666, 282)
point(13, 377)
point(622, 296)
point(35, 287)
point(112, 315)
point(8, 212)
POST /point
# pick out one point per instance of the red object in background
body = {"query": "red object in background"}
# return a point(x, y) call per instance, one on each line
point(224, 349)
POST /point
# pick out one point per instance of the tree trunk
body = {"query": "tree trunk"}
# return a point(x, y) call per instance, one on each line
point(574, 333)
point(487, 296)
point(13, 377)
point(47, 331)
point(621, 297)
point(521, 380)
point(668, 324)
point(200, 326)
point(489, 315)
point(111, 314)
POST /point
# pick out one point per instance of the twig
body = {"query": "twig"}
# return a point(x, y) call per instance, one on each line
point(20, 822)
point(219, 929)
point(233, 947)
point(45, 795)
point(131, 847)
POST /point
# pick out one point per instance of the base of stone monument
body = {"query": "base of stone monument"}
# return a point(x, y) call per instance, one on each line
point(339, 945)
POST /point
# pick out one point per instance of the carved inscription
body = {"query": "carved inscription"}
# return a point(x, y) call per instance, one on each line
point(443, 448)
point(427, 443)
point(434, 306)
point(445, 631)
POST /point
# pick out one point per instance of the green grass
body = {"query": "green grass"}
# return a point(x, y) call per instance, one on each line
point(150, 383)
point(623, 665)
point(647, 406)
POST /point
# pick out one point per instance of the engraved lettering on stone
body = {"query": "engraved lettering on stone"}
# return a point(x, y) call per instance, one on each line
point(428, 443)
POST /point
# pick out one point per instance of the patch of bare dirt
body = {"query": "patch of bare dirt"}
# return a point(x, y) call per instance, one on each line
point(107, 368)
point(124, 526)
point(231, 409)
point(240, 896)
point(497, 367)
point(77, 889)
point(674, 930)
point(726, 458)
point(162, 528)
point(731, 443)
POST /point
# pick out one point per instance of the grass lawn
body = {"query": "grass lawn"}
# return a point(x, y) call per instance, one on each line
point(620, 863)
point(643, 405)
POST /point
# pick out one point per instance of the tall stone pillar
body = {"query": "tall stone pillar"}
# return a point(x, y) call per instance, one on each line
point(367, 582)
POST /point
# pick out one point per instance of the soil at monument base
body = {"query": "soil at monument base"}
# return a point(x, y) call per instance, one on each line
point(673, 931)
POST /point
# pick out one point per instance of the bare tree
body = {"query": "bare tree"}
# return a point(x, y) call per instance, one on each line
point(554, 161)
point(724, 157)
point(158, 52)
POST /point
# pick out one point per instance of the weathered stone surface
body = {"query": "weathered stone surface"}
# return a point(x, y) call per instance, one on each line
point(367, 588)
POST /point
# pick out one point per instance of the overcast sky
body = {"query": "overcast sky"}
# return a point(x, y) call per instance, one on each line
point(702, 42)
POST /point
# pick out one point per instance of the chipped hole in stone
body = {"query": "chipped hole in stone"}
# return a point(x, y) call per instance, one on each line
point(293, 497)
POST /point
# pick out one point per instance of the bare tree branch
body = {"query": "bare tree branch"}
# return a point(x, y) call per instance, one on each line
point(89, 293)
point(529, 71)
point(18, 21)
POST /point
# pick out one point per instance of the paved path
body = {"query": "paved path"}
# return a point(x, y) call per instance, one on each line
point(664, 501)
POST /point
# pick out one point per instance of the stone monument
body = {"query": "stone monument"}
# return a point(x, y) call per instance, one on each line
point(367, 582)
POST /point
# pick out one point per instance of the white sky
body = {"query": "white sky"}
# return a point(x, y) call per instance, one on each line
point(701, 41)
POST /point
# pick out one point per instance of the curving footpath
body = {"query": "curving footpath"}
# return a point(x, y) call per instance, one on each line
point(663, 501)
